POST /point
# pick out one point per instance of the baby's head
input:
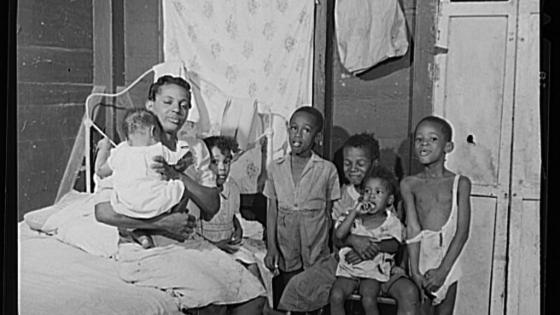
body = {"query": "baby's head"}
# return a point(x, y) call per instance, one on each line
point(379, 190)
point(221, 150)
point(432, 140)
point(141, 127)
point(360, 152)
point(305, 125)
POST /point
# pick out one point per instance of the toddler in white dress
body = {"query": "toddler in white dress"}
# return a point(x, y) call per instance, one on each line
point(138, 190)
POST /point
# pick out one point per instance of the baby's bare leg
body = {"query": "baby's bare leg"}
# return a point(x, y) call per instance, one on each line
point(369, 289)
point(448, 304)
point(143, 238)
point(340, 291)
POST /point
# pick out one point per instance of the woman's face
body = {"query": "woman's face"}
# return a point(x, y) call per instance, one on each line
point(171, 106)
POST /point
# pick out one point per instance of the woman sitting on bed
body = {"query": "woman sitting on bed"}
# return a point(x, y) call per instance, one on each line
point(197, 273)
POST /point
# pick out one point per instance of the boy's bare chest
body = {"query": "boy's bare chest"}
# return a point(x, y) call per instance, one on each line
point(433, 201)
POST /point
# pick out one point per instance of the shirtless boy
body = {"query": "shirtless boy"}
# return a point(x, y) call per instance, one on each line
point(437, 205)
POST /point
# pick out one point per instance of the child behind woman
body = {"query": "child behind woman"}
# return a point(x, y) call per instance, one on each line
point(139, 191)
point(225, 229)
point(370, 217)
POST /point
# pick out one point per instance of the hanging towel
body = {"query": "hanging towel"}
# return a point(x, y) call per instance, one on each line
point(368, 32)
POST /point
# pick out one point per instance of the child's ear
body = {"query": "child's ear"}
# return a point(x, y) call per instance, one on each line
point(449, 146)
point(375, 163)
point(318, 138)
point(390, 200)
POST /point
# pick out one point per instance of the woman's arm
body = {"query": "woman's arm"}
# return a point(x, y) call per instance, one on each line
point(177, 223)
point(206, 198)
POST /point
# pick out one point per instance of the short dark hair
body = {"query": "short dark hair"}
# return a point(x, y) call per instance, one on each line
point(137, 118)
point(167, 79)
point(365, 141)
point(223, 143)
point(388, 178)
point(443, 124)
point(313, 112)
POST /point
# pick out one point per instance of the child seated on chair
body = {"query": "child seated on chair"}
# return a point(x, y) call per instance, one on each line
point(438, 216)
point(300, 188)
point(139, 191)
point(310, 289)
point(370, 217)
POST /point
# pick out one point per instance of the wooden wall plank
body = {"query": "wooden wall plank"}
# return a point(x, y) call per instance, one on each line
point(377, 101)
point(39, 123)
point(58, 23)
point(54, 73)
point(49, 94)
point(48, 64)
point(141, 44)
point(424, 39)
point(322, 87)
point(40, 171)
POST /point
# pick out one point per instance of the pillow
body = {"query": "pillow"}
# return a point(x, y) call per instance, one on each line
point(86, 233)
point(72, 221)
point(36, 219)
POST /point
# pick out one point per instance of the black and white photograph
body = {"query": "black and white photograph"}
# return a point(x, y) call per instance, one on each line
point(280, 157)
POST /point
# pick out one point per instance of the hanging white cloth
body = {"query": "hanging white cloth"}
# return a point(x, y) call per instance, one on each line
point(257, 50)
point(368, 32)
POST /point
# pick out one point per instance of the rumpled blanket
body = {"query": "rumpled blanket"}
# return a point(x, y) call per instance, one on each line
point(196, 272)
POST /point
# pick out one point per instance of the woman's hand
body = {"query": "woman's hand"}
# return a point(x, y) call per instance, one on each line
point(366, 247)
point(167, 171)
point(178, 223)
point(184, 163)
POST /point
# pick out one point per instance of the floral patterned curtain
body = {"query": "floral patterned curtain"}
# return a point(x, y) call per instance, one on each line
point(243, 50)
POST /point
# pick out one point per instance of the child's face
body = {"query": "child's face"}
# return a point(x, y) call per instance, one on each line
point(171, 106)
point(220, 165)
point(356, 164)
point(302, 131)
point(376, 194)
point(430, 144)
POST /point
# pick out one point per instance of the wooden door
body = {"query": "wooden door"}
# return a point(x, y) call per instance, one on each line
point(476, 86)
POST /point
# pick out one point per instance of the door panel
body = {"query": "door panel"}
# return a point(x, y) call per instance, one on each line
point(474, 70)
point(473, 94)
point(474, 287)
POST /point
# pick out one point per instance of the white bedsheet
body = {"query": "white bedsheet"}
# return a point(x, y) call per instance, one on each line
point(56, 278)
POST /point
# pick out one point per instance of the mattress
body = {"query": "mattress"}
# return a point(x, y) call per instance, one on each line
point(56, 278)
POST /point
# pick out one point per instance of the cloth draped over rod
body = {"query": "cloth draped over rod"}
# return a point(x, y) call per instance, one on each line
point(368, 32)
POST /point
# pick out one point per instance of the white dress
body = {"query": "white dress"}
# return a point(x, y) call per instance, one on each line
point(380, 267)
point(139, 191)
